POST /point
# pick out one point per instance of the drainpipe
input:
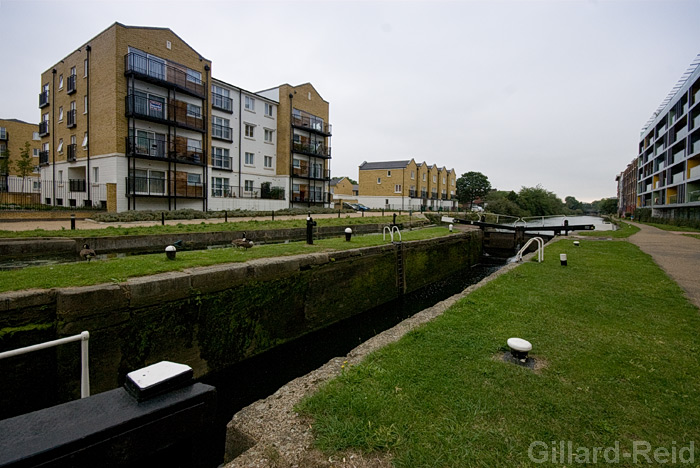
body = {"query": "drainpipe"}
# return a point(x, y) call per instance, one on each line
point(53, 134)
point(291, 152)
point(240, 136)
point(206, 144)
point(403, 185)
point(89, 99)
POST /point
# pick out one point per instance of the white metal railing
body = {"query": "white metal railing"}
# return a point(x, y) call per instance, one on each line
point(391, 230)
point(84, 371)
point(540, 249)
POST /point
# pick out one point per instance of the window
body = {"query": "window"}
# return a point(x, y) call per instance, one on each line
point(221, 128)
point(35, 136)
point(268, 162)
point(60, 145)
point(95, 175)
point(220, 187)
point(453, 182)
point(85, 140)
point(44, 147)
point(85, 104)
point(250, 103)
point(85, 67)
point(194, 111)
point(72, 71)
point(268, 135)
point(268, 109)
point(423, 177)
point(221, 98)
point(194, 76)
point(35, 152)
point(388, 173)
point(72, 139)
point(413, 175)
point(60, 82)
point(60, 177)
point(434, 179)
point(60, 114)
point(248, 185)
point(444, 181)
point(379, 180)
point(249, 130)
point(220, 158)
point(194, 179)
point(397, 188)
point(249, 159)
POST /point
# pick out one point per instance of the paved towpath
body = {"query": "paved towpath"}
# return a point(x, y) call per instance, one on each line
point(677, 254)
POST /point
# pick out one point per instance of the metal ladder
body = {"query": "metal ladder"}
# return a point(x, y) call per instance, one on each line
point(400, 268)
point(540, 249)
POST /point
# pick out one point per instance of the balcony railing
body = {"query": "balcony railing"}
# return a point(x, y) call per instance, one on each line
point(423, 194)
point(43, 157)
point(154, 148)
point(312, 149)
point(44, 128)
point(71, 152)
point(672, 199)
point(222, 133)
point(70, 118)
point(262, 192)
point(222, 162)
point(312, 123)
point(221, 102)
point(159, 187)
point(43, 99)
point(159, 72)
point(694, 196)
point(175, 113)
point(70, 84)
point(311, 173)
point(307, 197)
point(76, 185)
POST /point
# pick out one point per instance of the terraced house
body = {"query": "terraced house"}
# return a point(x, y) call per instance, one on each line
point(406, 184)
point(668, 163)
point(14, 134)
point(133, 119)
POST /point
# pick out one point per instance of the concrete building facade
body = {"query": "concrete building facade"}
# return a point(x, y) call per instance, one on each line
point(668, 163)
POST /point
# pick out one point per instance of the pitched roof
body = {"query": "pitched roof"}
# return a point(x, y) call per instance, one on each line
point(365, 166)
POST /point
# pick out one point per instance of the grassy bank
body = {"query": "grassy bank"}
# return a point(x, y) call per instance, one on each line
point(253, 225)
point(671, 227)
point(119, 269)
point(615, 336)
point(623, 230)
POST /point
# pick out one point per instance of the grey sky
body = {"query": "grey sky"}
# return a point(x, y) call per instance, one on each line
point(527, 92)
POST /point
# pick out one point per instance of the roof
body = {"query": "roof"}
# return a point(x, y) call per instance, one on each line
point(367, 166)
point(18, 121)
point(335, 180)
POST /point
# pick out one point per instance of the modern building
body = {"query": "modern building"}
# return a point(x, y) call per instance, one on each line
point(14, 135)
point(306, 155)
point(134, 120)
point(406, 185)
point(668, 164)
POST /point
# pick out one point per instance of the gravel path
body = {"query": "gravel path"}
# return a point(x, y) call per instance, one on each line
point(676, 254)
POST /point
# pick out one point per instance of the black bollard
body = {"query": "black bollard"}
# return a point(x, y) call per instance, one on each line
point(338, 214)
point(273, 215)
point(225, 216)
point(394, 222)
point(310, 223)
point(382, 212)
point(162, 218)
point(72, 222)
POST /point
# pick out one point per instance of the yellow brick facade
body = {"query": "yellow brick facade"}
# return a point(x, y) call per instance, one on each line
point(16, 133)
point(343, 187)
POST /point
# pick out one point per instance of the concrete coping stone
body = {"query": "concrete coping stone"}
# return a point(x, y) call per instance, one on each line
point(13, 300)
point(157, 289)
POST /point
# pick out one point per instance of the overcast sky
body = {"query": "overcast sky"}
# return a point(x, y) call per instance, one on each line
point(527, 92)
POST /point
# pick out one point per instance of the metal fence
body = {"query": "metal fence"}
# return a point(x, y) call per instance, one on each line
point(32, 193)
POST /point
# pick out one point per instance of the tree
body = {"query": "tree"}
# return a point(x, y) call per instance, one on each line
point(504, 203)
point(471, 186)
point(608, 206)
point(24, 164)
point(540, 202)
point(573, 204)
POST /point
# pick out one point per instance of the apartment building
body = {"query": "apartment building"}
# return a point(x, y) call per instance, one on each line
point(627, 189)
point(304, 157)
point(668, 163)
point(406, 184)
point(14, 134)
point(134, 120)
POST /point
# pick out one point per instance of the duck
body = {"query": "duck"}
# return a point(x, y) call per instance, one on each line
point(243, 242)
point(87, 253)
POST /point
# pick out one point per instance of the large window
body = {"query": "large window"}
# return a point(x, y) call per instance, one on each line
point(268, 162)
point(268, 135)
point(147, 64)
point(194, 111)
point(221, 98)
point(220, 187)
point(221, 128)
point(268, 109)
point(249, 159)
point(149, 143)
point(194, 179)
point(249, 103)
point(250, 131)
point(248, 186)
point(220, 158)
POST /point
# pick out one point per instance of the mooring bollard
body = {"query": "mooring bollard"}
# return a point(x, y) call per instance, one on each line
point(225, 216)
point(338, 214)
point(451, 227)
point(348, 234)
point(562, 259)
point(273, 215)
point(310, 223)
point(72, 221)
point(162, 218)
point(170, 252)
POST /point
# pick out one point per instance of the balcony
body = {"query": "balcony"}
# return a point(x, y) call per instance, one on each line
point(70, 84)
point(76, 185)
point(221, 102)
point(306, 197)
point(154, 110)
point(43, 158)
point(71, 152)
point(312, 124)
point(321, 151)
point(161, 74)
point(179, 150)
point(264, 192)
point(70, 118)
point(43, 99)
point(307, 172)
point(221, 133)
point(222, 162)
point(44, 128)
point(158, 187)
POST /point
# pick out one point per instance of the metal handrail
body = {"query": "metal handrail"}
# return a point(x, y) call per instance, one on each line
point(540, 249)
point(391, 232)
point(84, 370)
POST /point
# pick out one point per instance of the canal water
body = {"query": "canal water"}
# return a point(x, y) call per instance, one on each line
point(261, 375)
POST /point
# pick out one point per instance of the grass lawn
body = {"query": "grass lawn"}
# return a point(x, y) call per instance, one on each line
point(670, 227)
point(697, 236)
point(253, 225)
point(621, 357)
point(119, 269)
point(623, 230)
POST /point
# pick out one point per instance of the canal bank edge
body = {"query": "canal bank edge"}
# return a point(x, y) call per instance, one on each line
point(269, 432)
point(208, 317)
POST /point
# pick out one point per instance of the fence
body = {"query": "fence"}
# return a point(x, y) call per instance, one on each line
point(32, 193)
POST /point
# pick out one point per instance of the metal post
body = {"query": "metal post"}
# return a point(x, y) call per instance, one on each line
point(162, 218)
point(72, 221)
point(273, 215)
point(310, 223)
point(225, 216)
point(84, 370)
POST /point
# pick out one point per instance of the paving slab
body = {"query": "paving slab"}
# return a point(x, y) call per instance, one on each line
point(676, 254)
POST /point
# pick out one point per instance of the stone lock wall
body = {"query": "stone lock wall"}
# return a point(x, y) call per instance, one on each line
point(207, 318)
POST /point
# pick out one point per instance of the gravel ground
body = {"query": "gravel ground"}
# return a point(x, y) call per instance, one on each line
point(270, 434)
